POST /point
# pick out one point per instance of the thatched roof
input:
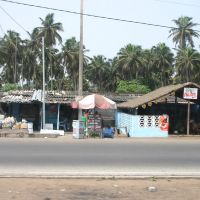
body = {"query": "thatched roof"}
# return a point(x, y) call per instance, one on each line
point(158, 95)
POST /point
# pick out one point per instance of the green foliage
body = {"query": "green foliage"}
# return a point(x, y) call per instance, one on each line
point(9, 86)
point(133, 86)
point(132, 70)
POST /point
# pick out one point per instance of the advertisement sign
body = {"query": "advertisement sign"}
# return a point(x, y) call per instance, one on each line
point(190, 93)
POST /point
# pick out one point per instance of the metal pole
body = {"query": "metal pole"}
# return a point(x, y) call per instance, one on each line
point(15, 70)
point(58, 117)
point(80, 87)
point(43, 104)
point(188, 118)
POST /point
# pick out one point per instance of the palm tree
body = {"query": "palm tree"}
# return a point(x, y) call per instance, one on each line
point(98, 72)
point(30, 64)
point(9, 46)
point(70, 55)
point(149, 73)
point(50, 31)
point(187, 64)
point(58, 71)
point(129, 61)
point(183, 34)
point(163, 62)
point(112, 74)
point(34, 58)
point(2, 53)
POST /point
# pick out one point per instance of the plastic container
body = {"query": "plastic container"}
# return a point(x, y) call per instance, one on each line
point(30, 127)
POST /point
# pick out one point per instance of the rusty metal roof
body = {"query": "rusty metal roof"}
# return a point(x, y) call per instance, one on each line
point(62, 97)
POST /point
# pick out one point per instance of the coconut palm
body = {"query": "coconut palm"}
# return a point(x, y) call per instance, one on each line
point(50, 31)
point(2, 53)
point(9, 46)
point(70, 55)
point(129, 61)
point(149, 74)
point(163, 62)
point(187, 64)
point(113, 75)
point(99, 72)
point(183, 34)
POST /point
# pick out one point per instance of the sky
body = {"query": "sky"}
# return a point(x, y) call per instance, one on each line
point(101, 36)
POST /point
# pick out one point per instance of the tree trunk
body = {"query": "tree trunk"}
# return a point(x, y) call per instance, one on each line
point(22, 73)
point(187, 76)
point(51, 75)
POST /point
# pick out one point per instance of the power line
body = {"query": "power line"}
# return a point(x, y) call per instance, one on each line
point(89, 15)
point(14, 20)
point(2, 30)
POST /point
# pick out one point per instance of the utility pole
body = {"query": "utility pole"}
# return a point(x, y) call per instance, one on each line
point(15, 69)
point(80, 86)
point(43, 91)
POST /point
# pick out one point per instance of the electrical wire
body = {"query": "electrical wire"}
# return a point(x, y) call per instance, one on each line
point(14, 20)
point(89, 15)
point(2, 30)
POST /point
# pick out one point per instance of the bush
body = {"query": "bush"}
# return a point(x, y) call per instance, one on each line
point(9, 86)
point(133, 86)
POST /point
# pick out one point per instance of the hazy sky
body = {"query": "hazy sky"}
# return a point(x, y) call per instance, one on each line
point(101, 36)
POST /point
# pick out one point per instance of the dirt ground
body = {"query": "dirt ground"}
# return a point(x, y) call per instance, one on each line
point(100, 189)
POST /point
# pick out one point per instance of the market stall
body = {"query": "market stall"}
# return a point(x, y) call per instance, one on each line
point(93, 126)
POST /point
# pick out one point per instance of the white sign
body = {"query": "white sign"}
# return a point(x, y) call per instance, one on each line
point(190, 93)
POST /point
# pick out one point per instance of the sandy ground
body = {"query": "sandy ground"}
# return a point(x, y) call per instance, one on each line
point(100, 189)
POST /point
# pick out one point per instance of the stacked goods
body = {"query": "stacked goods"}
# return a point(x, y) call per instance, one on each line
point(1, 120)
point(8, 122)
point(24, 124)
point(17, 125)
point(21, 125)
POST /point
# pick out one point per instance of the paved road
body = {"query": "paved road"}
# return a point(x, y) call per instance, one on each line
point(65, 156)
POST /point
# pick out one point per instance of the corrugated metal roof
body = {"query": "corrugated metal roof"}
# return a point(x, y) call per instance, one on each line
point(16, 96)
point(62, 97)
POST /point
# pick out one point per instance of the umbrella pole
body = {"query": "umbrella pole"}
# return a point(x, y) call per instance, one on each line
point(94, 120)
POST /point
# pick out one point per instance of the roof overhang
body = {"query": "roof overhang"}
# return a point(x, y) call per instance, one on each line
point(160, 94)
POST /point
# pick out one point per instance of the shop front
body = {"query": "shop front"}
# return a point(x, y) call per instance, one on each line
point(183, 114)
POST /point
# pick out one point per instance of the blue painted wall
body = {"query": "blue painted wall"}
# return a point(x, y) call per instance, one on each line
point(140, 126)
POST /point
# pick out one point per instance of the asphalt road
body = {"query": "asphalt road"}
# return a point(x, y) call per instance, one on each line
point(65, 156)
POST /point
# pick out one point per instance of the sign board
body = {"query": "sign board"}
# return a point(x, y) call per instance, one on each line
point(190, 93)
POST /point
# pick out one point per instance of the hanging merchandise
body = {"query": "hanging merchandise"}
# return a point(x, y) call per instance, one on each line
point(144, 106)
point(150, 104)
